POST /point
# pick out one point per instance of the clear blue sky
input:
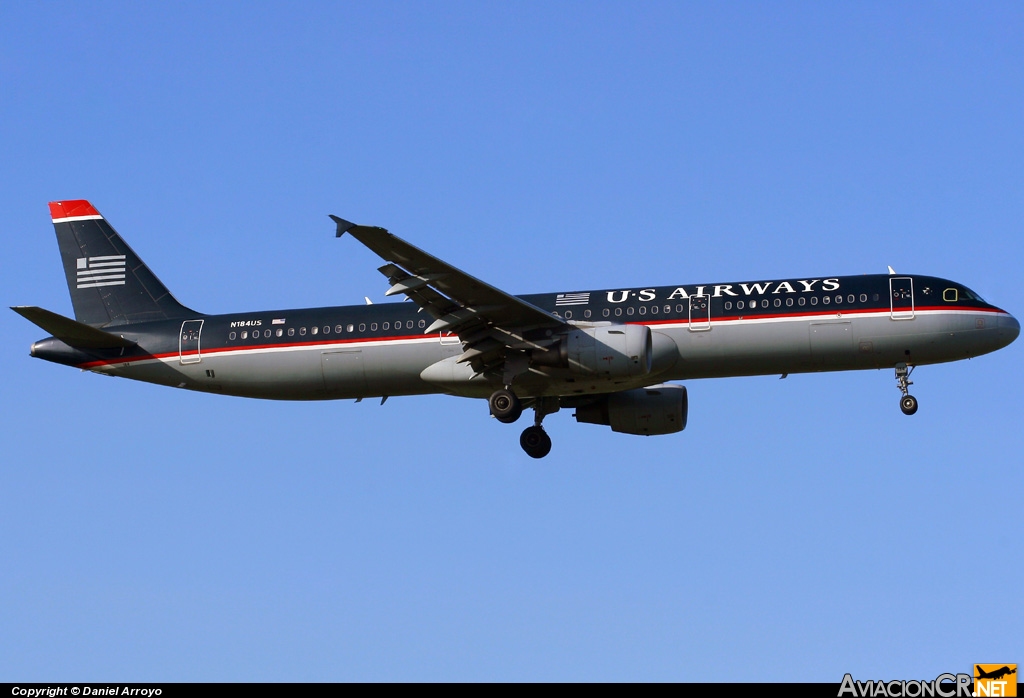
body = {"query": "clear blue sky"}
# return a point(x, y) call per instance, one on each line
point(796, 530)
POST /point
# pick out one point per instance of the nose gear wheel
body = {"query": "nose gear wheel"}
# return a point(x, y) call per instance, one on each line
point(908, 403)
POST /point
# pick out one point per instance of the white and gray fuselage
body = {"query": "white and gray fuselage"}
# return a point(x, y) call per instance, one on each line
point(707, 331)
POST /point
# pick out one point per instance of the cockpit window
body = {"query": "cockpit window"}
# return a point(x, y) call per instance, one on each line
point(970, 295)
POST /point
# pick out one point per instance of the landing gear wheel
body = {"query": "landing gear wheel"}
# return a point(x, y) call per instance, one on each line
point(505, 406)
point(536, 442)
point(908, 403)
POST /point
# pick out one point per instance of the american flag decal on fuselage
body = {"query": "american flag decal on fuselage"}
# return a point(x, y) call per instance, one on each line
point(101, 271)
point(572, 298)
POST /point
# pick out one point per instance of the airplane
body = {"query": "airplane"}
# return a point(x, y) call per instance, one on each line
point(996, 674)
point(610, 354)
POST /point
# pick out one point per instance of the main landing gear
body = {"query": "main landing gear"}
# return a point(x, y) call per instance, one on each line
point(535, 441)
point(506, 408)
point(908, 403)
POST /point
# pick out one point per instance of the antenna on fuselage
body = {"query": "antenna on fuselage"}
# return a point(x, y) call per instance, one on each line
point(369, 302)
point(892, 272)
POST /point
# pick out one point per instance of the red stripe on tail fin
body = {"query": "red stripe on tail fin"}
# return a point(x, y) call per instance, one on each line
point(71, 209)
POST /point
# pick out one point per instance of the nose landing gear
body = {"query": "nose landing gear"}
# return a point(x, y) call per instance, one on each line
point(908, 403)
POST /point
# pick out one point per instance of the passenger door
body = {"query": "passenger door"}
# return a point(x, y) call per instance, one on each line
point(901, 297)
point(188, 342)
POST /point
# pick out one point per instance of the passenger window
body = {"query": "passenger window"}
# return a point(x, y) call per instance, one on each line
point(618, 312)
point(350, 328)
point(839, 299)
point(337, 329)
point(814, 300)
point(568, 314)
point(280, 332)
point(373, 327)
point(778, 303)
point(245, 334)
point(302, 331)
point(605, 312)
point(362, 326)
point(764, 303)
point(327, 329)
point(586, 313)
point(863, 298)
point(654, 310)
point(386, 326)
point(851, 298)
point(231, 336)
point(874, 297)
point(668, 308)
point(801, 301)
point(643, 310)
point(408, 325)
point(291, 331)
point(739, 305)
point(266, 333)
point(789, 302)
point(680, 309)
point(950, 295)
point(728, 305)
point(422, 324)
point(826, 300)
point(629, 310)
point(314, 330)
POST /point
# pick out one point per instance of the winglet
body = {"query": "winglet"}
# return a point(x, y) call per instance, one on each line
point(343, 226)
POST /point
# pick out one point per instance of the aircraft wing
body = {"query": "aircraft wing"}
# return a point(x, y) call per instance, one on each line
point(488, 321)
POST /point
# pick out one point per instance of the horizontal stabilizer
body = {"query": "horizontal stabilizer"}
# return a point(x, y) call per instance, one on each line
point(71, 332)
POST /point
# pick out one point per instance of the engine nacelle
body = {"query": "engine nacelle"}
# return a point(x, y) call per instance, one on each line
point(659, 409)
point(613, 350)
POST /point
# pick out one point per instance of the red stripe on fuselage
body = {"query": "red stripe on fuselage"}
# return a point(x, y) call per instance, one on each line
point(403, 338)
point(251, 347)
point(812, 314)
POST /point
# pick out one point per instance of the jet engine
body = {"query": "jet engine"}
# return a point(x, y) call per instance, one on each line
point(658, 409)
point(613, 350)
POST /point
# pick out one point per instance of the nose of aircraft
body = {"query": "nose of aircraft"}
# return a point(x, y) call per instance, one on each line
point(1009, 325)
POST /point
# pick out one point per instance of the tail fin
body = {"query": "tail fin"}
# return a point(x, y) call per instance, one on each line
point(108, 282)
